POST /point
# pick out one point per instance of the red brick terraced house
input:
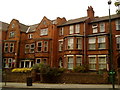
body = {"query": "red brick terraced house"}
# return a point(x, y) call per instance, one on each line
point(62, 43)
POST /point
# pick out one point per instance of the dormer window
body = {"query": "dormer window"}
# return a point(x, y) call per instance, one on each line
point(30, 36)
point(12, 34)
point(95, 28)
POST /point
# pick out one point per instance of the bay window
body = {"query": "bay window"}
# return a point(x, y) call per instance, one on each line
point(79, 43)
point(70, 62)
point(70, 43)
point(78, 60)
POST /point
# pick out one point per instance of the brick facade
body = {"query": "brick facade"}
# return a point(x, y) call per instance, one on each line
point(62, 43)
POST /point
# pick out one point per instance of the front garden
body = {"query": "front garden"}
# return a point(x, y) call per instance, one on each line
point(45, 74)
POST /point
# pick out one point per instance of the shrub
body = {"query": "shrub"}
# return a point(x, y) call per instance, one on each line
point(42, 68)
point(80, 69)
point(21, 70)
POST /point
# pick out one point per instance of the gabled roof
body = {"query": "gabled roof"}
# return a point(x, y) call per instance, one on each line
point(33, 27)
point(23, 27)
point(4, 26)
point(74, 21)
point(104, 18)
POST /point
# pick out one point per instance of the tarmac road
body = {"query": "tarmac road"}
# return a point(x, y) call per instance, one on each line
point(58, 89)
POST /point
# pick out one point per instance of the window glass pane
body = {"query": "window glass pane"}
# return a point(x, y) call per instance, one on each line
point(79, 43)
point(78, 61)
point(45, 46)
point(102, 27)
point(118, 42)
point(118, 24)
point(70, 43)
point(60, 45)
point(44, 31)
point(39, 46)
point(71, 29)
point(70, 62)
point(92, 63)
point(77, 28)
point(102, 62)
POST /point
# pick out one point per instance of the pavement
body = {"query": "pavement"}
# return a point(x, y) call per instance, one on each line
point(46, 85)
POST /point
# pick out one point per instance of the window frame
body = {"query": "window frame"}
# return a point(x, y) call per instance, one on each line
point(30, 36)
point(12, 34)
point(70, 63)
point(39, 46)
point(45, 46)
point(77, 28)
point(95, 28)
point(117, 22)
point(12, 48)
point(70, 43)
point(79, 43)
point(61, 31)
point(44, 32)
point(102, 63)
point(6, 51)
point(102, 27)
point(32, 49)
point(71, 29)
point(93, 44)
point(118, 42)
point(92, 63)
point(102, 42)
point(60, 45)
point(80, 63)
point(27, 48)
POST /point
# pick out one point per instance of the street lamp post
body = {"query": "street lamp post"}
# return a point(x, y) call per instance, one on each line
point(111, 73)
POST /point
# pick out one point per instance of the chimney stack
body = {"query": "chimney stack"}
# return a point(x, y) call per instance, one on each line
point(90, 12)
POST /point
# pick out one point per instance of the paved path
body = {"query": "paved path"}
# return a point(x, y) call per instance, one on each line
point(41, 85)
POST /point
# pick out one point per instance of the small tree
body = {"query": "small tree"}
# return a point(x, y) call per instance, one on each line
point(42, 68)
point(117, 4)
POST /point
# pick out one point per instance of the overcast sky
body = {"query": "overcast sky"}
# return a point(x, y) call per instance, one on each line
point(31, 12)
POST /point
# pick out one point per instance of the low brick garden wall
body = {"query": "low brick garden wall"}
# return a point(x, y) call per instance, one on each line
point(17, 77)
point(79, 78)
